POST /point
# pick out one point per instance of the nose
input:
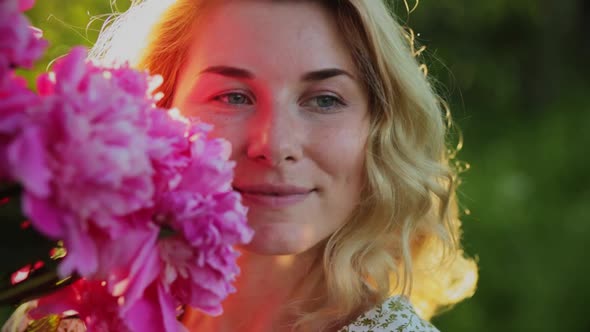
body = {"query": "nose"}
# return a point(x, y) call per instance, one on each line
point(275, 135)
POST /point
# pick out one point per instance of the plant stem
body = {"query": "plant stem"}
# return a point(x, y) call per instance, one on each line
point(34, 287)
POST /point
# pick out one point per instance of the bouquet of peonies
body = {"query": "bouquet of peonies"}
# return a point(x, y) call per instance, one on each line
point(136, 200)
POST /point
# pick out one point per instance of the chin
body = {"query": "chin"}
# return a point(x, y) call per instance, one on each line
point(269, 241)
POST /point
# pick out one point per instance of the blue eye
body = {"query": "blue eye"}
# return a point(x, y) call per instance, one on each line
point(234, 98)
point(325, 103)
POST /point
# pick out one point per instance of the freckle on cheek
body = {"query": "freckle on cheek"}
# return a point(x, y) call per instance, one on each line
point(347, 179)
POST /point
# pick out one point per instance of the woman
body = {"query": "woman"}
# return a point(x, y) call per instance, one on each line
point(341, 157)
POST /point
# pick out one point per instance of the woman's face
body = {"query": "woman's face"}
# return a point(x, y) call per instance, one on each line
point(277, 81)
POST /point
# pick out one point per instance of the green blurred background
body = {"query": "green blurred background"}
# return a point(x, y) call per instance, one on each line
point(515, 73)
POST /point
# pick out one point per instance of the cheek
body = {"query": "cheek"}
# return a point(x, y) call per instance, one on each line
point(227, 127)
point(341, 154)
point(235, 135)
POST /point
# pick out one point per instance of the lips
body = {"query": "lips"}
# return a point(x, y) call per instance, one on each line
point(273, 195)
point(273, 189)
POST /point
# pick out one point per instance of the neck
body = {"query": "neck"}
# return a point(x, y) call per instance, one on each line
point(268, 287)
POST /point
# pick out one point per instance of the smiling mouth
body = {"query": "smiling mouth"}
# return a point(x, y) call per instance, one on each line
point(273, 189)
point(267, 197)
point(274, 194)
point(267, 194)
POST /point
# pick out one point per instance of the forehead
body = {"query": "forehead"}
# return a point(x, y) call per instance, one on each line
point(268, 36)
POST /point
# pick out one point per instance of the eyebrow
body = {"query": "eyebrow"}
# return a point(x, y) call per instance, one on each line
point(234, 72)
point(228, 72)
point(324, 74)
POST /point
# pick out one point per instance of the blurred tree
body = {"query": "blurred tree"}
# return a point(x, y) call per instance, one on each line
point(518, 78)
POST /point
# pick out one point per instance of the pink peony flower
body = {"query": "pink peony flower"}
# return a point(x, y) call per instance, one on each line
point(16, 5)
point(24, 5)
point(210, 172)
point(93, 126)
point(21, 44)
point(15, 101)
point(125, 258)
point(193, 276)
point(156, 311)
point(169, 149)
point(102, 312)
point(99, 135)
point(141, 198)
point(99, 310)
point(136, 265)
point(199, 263)
point(27, 160)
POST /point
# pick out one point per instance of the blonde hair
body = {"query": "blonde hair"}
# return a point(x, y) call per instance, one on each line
point(404, 236)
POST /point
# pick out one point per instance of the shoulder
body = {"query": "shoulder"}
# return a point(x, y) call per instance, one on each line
point(394, 315)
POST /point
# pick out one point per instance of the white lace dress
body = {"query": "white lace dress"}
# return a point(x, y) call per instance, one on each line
point(394, 315)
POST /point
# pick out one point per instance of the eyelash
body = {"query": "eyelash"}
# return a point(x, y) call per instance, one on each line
point(219, 98)
point(338, 102)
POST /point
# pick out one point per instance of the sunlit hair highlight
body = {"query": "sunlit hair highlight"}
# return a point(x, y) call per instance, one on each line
point(404, 236)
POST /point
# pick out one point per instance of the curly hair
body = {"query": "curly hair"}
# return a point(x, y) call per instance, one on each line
point(404, 235)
